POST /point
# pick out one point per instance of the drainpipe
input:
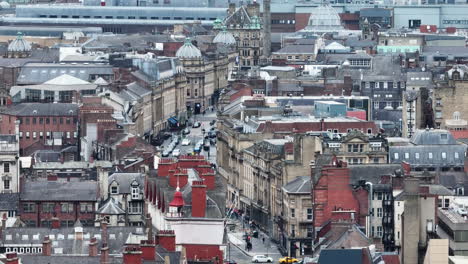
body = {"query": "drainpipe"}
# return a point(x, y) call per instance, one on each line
point(369, 234)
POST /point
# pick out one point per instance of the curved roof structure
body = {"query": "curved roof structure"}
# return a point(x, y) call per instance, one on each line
point(188, 50)
point(433, 137)
point(225, 38)
point(324, 18)
point(19, 44)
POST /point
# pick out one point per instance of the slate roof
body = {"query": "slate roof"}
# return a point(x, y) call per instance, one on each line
point(296, 49)
point(349, 256)
point(35, 73)
point(125, 180)
point(57, 259)
point(63, 238)
point(301, 184)
point(59, 191)
point(9, 201)
point(371, 172)
point(39, 109)
point(110, 207)
point(433, 137)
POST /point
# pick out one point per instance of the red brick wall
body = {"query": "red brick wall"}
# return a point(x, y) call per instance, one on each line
point(39, 215)
point(204, 252)
point(7, 126)
point(331, 193)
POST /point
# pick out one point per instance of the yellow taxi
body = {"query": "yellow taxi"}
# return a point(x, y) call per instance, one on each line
point(287, 260)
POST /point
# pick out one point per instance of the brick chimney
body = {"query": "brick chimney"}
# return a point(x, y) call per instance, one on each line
point(232, 8)
point(148, 250)
point(198, 199)
point(93, 251)
point(104, 249)
point(55, 222)
point(166, 239)
point(12, 258)
point(104, 254)
point(46, 246)
point(406, 168)
point(132, 255)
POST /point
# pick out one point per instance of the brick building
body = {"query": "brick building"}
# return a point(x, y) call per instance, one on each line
point(59, 203)
point(41, 125)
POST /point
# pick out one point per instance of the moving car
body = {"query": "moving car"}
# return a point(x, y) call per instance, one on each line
point(186, 131)
point(196, 124)
point(262, 259)
point(176, 152)
point(212, 122)
point(287, 260)
point(186, 142)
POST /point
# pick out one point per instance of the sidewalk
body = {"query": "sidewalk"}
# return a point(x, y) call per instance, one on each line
point(258, 247)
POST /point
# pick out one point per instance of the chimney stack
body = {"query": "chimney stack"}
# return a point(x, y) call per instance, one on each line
point(93, 251)
point(104, 254)
point(148, 250)
point(12, 258)
point(166, 238)
point(198, 199)
point(104, 249)
point(46, 246)
point(132, 255)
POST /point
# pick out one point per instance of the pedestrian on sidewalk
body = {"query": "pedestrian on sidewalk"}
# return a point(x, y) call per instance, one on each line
point(263, 239)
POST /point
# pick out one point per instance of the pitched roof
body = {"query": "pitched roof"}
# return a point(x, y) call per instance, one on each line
point(301, 184)
point(349, 256)
point(125, 180)
point(39, 109)
point(9, 201)
point(59, 191)
point(110, 207)
point(66, 79)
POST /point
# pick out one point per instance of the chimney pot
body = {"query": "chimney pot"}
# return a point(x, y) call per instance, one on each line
point(46, 246)
point(12, 258)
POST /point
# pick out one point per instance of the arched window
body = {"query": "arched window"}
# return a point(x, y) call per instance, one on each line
point(456, 115)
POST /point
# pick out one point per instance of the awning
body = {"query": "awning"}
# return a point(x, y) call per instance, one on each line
point(172, 120)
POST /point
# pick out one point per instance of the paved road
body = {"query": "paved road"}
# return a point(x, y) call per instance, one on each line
point(196, 135)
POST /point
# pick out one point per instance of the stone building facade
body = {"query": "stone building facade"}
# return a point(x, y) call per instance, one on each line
point(357, 148)
point(450, 109)
point(245, 24)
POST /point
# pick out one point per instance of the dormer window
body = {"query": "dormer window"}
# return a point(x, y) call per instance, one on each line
point(114, 189)
point(135, 192)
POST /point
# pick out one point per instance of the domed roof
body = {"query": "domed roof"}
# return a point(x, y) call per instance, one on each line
point(4, 5)
point(217, 24)
point(188, 50)
point(324, 18)
point(225, 37)
point(19, 44)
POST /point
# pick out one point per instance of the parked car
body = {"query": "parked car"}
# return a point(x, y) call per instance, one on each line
point(287, 260)
point(176, 152)
point(166, 153)
point(196, 124)
point(212, 122)
point(262, 259)
point(186, 142)
point(212, 134)
point(186, 131)
point(230, 262)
